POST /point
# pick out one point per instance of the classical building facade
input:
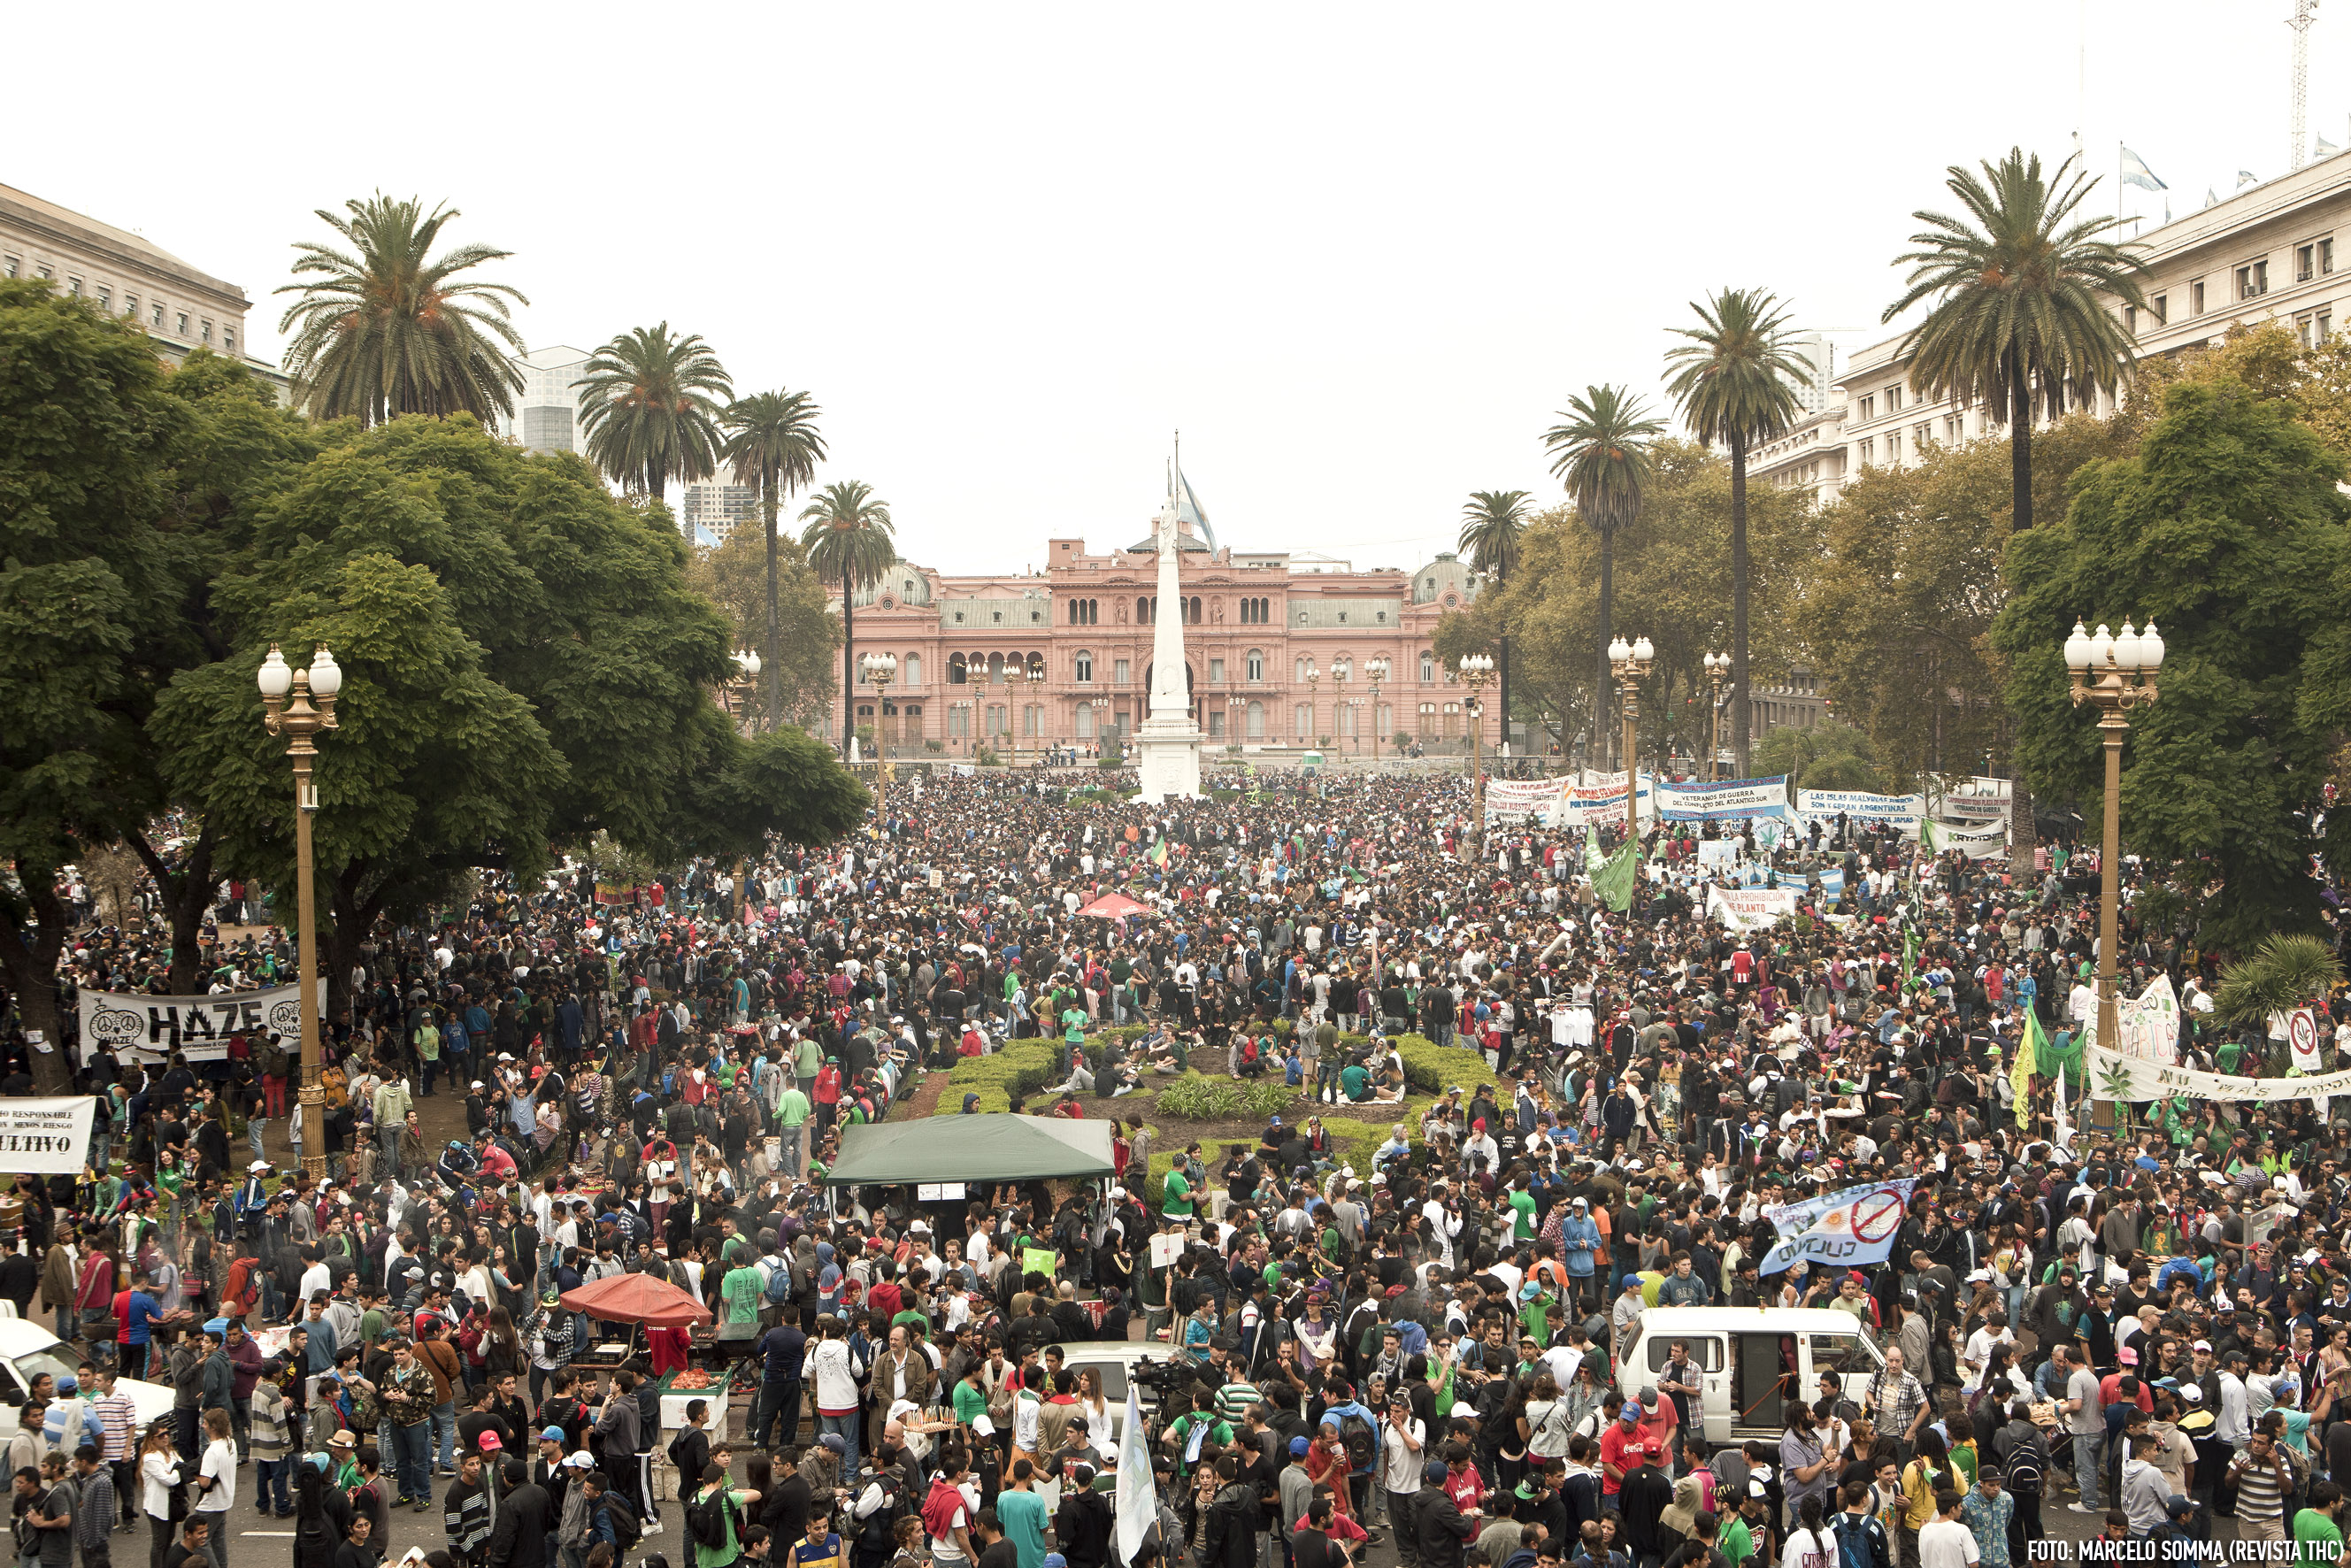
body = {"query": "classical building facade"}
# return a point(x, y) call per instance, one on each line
point(1278, 650)
point(123, 274)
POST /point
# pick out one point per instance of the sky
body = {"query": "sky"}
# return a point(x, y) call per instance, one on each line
point(1359, 255)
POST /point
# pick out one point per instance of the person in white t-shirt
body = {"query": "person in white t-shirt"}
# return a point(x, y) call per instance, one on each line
point(1944, 1542)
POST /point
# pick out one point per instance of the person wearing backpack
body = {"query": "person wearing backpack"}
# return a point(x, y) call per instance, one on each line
point(2023, 1458)
point(715, 1518)
point(1359, 1434)
point(1861, 1538)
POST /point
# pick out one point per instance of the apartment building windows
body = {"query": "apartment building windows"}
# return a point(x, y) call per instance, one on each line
point(1215, 672)
point(1955, 429)
point(1868, 451)
point(1118, 672)
point(2252, 280)
point(2161, 307)
point(131, 305)
point(181, 317)
point(2314, 259)
point(1893, 400)
point(1868, 409)
point(105, 299)
point(1893, 446)
point(2314, 328)
point(156, 319)
point(73, 286)
point(2196, 297)
point(8, 266)
point(1921, 437)
point(206, 336)
point(2325, 326)
point(2130, 319)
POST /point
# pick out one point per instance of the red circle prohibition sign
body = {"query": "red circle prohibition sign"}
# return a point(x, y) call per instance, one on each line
point(1876, 1216)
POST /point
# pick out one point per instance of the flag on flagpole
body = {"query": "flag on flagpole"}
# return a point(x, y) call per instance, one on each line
point(2137, 172)
point(2244, 178)
point(2064, 1135)
point(1909, 952)
point(1138, 1502)
point(2210, 196)
point(1592, 859)
point(1613, 884)
point(2021, 1075)
point(1158, 856)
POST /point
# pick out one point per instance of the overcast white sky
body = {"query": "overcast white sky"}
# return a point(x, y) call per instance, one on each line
point(1358, 253)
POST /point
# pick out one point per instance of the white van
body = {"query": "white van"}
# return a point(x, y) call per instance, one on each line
point(1751, 1361)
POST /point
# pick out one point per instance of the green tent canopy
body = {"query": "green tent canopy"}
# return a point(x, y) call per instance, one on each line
point(980, 1148)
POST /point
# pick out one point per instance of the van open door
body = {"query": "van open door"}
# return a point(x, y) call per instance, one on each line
point(1763, 1377)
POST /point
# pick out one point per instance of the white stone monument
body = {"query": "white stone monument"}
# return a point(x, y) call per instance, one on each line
point(1167, 746)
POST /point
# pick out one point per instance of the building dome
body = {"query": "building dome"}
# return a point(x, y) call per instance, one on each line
point(1445, 574)
point(903, 583)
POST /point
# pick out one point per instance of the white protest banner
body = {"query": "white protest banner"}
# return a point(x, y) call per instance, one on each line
point(1718, 852)
point(149, 1029)
point(2114, 1076)
point(2149, 1026)
point(1983, 843)
point(1751, 908)
point(1510, 799)
point(1558, 803)
point(1702, 802)
point(1850, 1228)
point(50, 1137)
point(1902, 812)
point(1974, 801)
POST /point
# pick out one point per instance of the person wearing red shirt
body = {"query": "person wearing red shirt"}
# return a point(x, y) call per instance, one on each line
point(1619, 1448)
point(828, 1092)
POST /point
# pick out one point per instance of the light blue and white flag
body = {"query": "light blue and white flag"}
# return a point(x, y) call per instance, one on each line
point(2137, 172)
point(1853, 1227)
point(1137, 1502)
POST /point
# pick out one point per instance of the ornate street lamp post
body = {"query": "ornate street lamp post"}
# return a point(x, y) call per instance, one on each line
point(1478, 669)
point(881, 669)
point(1036, 677)
point(1375, 669)
point(1631, 663)
point(2114, 674)
point(1339, 671)
point(1313, 713)
point(1718, 671)
point(287, 700)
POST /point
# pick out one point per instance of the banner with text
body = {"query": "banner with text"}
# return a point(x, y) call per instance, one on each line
point(149, 1029)
point(1847, 1230)
point(1701, 802)
point(2149, 1026)
point(1749, 909)
point(47, 1137)
point(1561, 803)
point(1825, 806)
point(2118, 1077)
point(1985, 843)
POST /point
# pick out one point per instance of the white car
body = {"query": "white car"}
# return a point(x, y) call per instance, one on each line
point(27, 1350)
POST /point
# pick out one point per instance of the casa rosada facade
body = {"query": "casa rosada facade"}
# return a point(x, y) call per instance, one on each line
point(1277, 650)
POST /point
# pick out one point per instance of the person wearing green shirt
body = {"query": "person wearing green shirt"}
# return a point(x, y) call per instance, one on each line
point(808, 1061)
point(970, 1396)
point(1354, 1082)
point(1180, 1435)
point(740, 1293)
point(791, 1113)
point(1021, 1514)
point(1736, 1541)
point(1522, 1211)
point(2317, 1532)
point(732, 1503)
point(1176, 1195)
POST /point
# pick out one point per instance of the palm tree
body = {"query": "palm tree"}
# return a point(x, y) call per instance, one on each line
point(1601, 450)
point(2027, 302)
point(1737, 385)
point(648, 404)
point(1491, 525)
point(847, 536)
point(772, 444)
point(386, 331)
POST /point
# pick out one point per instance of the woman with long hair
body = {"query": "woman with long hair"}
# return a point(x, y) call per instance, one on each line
point(159, 1472)
point(502, 1352)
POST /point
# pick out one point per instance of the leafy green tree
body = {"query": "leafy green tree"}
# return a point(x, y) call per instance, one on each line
point(524, 666)
point(773, 446)
point(733, 575)
point(847, 536)
point(388, 329)
point(1492, 521)
point(1600, 449)
point(649, 406)
point(115, 473)
point(1829, 756)
point(1735, 385)
point(2216, 530)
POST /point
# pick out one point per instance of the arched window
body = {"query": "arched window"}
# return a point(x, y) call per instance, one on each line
point(995, 670)
point(1305, 730)
point(1085, 670)
point(1256, 721)
point(1143, 612)
point(1302, 669)
point(910, 670)
point(1427, 666)
point(958, 670)
point(1195, 610)
point(1255, 665)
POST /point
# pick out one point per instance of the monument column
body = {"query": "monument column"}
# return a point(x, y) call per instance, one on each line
point(1167, 746)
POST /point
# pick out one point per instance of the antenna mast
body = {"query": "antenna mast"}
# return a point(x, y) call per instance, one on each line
point(2305, 13)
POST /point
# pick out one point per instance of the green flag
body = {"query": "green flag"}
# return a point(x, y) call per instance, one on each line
point(1909, 952)
point(1592, 859)
point(1613, 884)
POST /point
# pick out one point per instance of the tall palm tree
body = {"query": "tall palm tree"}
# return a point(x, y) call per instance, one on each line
point(1737, 385)
point(1601, 451)
point(2025, 311)
point(649, 405)
point(388, 330)
point(849, 536)
point(1491, 525)
point(773, 446)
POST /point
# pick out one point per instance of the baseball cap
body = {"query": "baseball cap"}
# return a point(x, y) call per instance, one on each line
point(581, 1460)
point(1632, 1413)
point(1298, 1447)
point(2176, 1505)
point(490, 1442)
point(1630, 1280)
point(1433, 1472)
point(552, 1435)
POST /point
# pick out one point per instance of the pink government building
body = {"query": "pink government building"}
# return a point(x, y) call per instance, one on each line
point(1256, 622)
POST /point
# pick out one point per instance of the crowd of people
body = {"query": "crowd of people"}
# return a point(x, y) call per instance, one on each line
point(1418, 1351)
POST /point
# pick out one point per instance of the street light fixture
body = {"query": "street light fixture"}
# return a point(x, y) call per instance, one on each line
point(881, 669)
point(1478, 669)
point(1313, 713)
point(1631, 663)
point(1375, 669)
point(737, 693)
point(1718, 671)
point(1339, 671)
point(1035, 674)
point(288, 709)
point(2114, 674)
